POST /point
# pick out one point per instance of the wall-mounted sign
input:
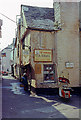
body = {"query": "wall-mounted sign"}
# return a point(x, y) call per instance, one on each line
point(3, 54)
point(69, 65)
point(25, 57)
point(38, 68)
point(43, 55)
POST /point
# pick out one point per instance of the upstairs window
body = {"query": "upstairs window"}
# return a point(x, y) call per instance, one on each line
point(23, 44)
point(18, 51)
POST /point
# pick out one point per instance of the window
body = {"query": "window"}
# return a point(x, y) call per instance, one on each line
point(18, 50)
point(23, 44)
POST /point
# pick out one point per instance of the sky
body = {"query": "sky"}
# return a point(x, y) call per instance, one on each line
point(11, 8)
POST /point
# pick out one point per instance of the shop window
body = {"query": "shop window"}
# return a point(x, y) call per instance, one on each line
point(49, 73)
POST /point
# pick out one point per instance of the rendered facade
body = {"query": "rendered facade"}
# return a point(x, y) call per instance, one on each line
point(48, 45)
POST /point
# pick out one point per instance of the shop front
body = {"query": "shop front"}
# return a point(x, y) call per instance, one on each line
point(45, 69)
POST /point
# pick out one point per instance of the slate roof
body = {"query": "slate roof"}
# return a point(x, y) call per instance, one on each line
point(39, 17)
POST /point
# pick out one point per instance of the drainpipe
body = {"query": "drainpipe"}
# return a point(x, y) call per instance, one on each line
point(20, 56)
point(56, 62)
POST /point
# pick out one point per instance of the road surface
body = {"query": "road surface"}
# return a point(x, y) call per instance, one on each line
point(17, 103)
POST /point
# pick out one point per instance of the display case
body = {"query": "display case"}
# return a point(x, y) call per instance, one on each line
point(49, 73)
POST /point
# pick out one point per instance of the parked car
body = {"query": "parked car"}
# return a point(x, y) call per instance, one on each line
point(3, 72)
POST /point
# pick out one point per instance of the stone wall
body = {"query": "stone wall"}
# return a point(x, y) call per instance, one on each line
point(68, 42)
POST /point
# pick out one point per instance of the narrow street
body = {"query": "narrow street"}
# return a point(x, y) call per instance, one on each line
point(17, 103)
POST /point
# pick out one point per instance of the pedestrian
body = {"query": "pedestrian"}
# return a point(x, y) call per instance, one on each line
point(25, 81)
